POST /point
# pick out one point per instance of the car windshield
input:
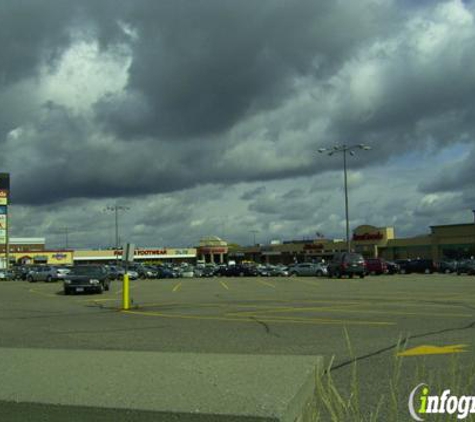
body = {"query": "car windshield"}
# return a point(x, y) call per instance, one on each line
point(86, 270)
point(353, 257)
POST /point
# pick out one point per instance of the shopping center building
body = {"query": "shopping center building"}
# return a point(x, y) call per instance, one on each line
point(32, 251)
point(453, 241)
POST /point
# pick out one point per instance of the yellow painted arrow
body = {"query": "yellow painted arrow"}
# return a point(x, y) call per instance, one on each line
point(433, 350)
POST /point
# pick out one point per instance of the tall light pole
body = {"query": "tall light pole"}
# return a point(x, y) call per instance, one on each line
point(473, 254)
point(351, 150)
point(66, 237)
point(116, 208)
point(254, 233)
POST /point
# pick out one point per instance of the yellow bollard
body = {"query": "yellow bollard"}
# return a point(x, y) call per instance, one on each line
point(125, 293)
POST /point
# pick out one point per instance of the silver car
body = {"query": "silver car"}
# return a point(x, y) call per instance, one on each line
point(308, 269)
point(47, 273)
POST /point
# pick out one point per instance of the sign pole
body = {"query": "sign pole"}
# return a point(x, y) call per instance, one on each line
point(125, 292)
point(7, 241)
point(128, 255)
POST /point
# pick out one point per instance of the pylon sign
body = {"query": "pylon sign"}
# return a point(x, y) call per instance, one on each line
point(4, 198)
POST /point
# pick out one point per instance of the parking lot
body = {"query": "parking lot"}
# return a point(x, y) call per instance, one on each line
point(344, 319)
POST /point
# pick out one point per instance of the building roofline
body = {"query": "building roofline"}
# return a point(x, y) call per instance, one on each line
point(453, 225)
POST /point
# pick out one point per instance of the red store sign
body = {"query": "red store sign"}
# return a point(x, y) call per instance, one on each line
point(146, 252)
point(368, 236)
point(313, 246)
point(213, 250)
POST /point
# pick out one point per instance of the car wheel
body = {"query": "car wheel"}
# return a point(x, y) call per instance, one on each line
point(361, 275)
point(339, 275)
point(447, 271)
point(67, 291)
point(30, 279)
point(100, 289)
point(427, 271)
point(241, 274)
point(107, 286)
point(403, 271)
point(49, 279)
point(319, 273)
point(350, 275)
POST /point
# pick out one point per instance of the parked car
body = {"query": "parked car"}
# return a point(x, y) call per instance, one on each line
point(280, 271)
point(425, 266)
point(140, 269)
point(187, 271)
point(447, 267)
point(347, 263)
point(208, 271)
point(264, 271)
point(6, 274)
point(18, 273)
point(47, 273)
point(114, 271)
point(149, 271)
point(466, 267)
point(393, 268)
point(164, 272)
point(241, 271)
point(376, 266)
point(84, 278)
point(308, 269)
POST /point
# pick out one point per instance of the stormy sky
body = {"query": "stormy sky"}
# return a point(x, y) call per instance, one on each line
point(204, 117)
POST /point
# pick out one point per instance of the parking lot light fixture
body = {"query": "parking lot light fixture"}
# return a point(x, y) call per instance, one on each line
point(116, 208)
point(344, 149)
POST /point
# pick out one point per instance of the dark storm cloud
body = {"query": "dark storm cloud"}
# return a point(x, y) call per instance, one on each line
point(250, 88)
point(31, 32)
point(254, 193)
point(455, 177)
point(292, 205)
point(199, 67)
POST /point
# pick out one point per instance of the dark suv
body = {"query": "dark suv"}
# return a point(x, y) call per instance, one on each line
point(347, 263)
point(425, 266)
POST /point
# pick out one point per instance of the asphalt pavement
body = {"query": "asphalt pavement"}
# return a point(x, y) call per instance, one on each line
point(369, 321)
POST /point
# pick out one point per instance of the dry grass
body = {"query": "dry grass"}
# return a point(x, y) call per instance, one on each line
point(346, 405)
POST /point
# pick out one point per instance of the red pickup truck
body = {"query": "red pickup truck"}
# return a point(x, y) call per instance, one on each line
point(376, 266)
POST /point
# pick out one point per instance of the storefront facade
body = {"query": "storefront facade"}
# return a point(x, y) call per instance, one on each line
point(56, 257)
point(367, 240)
point(213, 250)
point(145, 255)
point(25, 245)
point(453, 241)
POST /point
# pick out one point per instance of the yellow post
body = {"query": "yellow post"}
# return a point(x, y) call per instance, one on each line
point(125, 293)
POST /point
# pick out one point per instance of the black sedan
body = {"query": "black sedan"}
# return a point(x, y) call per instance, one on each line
point(241, 271)
point(87, 278)
point(466, 267)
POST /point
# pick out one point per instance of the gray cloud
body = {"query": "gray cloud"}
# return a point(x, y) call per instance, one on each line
point(115, 99)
